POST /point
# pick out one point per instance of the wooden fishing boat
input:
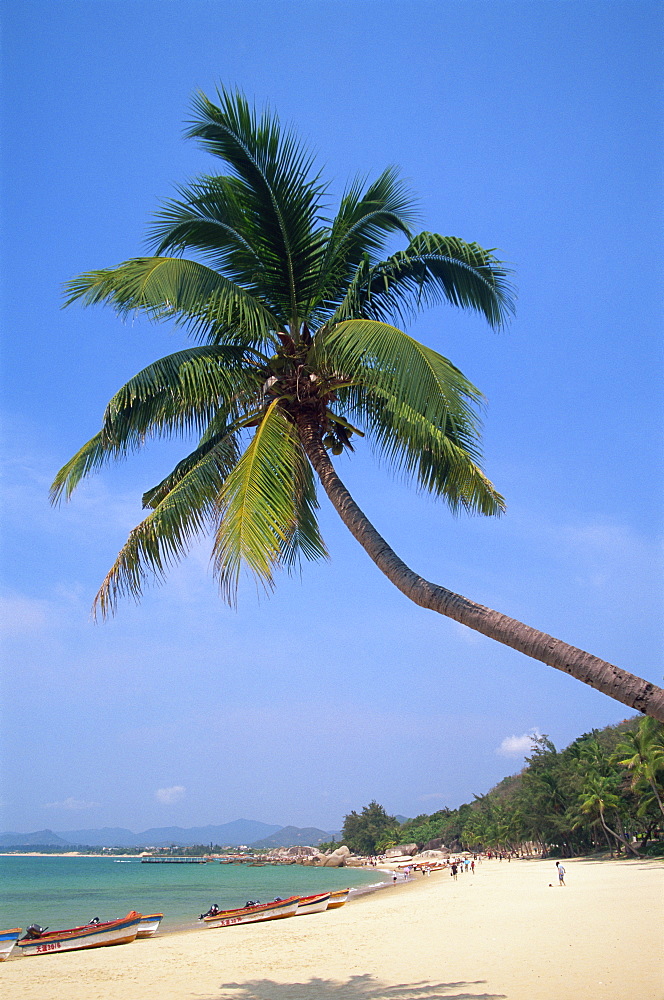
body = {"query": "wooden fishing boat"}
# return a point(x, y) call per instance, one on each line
point(7, 941)
point(149, 924)
point(338, 898)
point(88, 936)
point(252, 914)
point(312, 904)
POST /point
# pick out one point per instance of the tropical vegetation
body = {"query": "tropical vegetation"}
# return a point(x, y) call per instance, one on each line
point(602, 792)
point(297, 352)
point(371, 831)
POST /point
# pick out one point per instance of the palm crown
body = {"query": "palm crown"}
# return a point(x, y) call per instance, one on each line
point(292, 315)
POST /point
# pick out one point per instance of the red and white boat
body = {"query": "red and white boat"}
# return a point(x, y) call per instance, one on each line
point(312, 904)
point(7, 941)
point(88, 936)
point(252, 914)
point(338, 898)
point(149, 924)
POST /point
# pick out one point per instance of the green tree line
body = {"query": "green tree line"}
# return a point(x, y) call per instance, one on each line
point(604, 791)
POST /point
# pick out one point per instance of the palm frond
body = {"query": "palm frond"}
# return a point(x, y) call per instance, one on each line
point(223, 444)
point(181, 392)
point(214, 218)
point(205, 302)
point(191, 390)
point(433, 268)
point(209, 216)
point(267, 507)
point(304, 538)
point(374, 355)
point(92, 456)
point(280, 195)
point(443, 461)
point(163, 538)
point(360, 229)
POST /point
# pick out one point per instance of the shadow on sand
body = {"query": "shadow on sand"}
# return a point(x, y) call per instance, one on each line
point(356, 988)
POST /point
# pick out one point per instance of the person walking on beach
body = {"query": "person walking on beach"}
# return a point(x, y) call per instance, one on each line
point(561, 873)
point(453, 873)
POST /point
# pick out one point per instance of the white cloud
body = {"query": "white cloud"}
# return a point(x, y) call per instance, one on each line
point(517, 746)
point(71, 803)
point(169, 795)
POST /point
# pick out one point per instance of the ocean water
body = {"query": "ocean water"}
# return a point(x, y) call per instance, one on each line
point(61, 892)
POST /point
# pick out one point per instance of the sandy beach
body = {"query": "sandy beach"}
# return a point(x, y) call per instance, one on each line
point(500, 933)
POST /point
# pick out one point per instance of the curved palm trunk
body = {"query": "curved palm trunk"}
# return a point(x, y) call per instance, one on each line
point(657, 795)
point(613, 833)
point(605, 677)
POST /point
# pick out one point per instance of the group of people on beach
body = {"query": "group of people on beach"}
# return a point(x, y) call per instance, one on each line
point(460, 865)
point(457, 866)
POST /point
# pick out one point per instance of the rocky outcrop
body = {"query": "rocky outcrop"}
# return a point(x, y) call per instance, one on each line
point(300, 853)
point(425, 856)
point(435, 845)
point(338, 858)
point(402, 850)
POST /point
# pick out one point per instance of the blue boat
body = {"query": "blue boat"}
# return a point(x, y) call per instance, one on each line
point(7, 941)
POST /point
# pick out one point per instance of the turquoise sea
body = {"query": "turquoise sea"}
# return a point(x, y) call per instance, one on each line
point(61, 892)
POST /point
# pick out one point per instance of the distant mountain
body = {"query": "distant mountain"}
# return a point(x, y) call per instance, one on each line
point(240, 831)
point(293, 836)
point(107, 836)
point(42, 838)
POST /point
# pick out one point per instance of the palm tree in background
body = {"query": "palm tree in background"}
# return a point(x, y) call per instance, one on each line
point(599, 798)
point(297, 353)
point(642, 752)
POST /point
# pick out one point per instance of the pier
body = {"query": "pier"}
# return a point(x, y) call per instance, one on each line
point(174, 861)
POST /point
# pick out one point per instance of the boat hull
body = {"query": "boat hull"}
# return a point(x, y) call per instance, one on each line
point(254, 914)
point(338, 899)
point(88, 936)
point(313, 904)
point(149, 924)
point(7, 941)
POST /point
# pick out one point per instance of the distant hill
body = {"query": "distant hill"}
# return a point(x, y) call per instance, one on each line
point(41, 838)
point(240, 831)
point(107, 836)
point(293, 836)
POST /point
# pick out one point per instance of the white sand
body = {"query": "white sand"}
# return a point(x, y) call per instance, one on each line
point(501, 933)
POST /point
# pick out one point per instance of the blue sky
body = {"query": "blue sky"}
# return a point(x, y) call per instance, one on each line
point(531, 127)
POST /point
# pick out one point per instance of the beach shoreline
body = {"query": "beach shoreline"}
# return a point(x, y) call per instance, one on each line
point(508, 931)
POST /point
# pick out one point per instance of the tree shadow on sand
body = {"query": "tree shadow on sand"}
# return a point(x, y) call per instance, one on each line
point(356, 988)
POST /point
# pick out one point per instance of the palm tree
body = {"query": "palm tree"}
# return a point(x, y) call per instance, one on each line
point(598, 797)
point(293, 314)
point(642, 752)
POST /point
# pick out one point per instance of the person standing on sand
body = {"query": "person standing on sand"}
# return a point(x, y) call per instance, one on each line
point(453, 873)
point(561, 873)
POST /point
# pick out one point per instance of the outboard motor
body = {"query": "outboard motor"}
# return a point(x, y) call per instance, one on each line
point(212, 912)
point(34, 931)
point(95, 921)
